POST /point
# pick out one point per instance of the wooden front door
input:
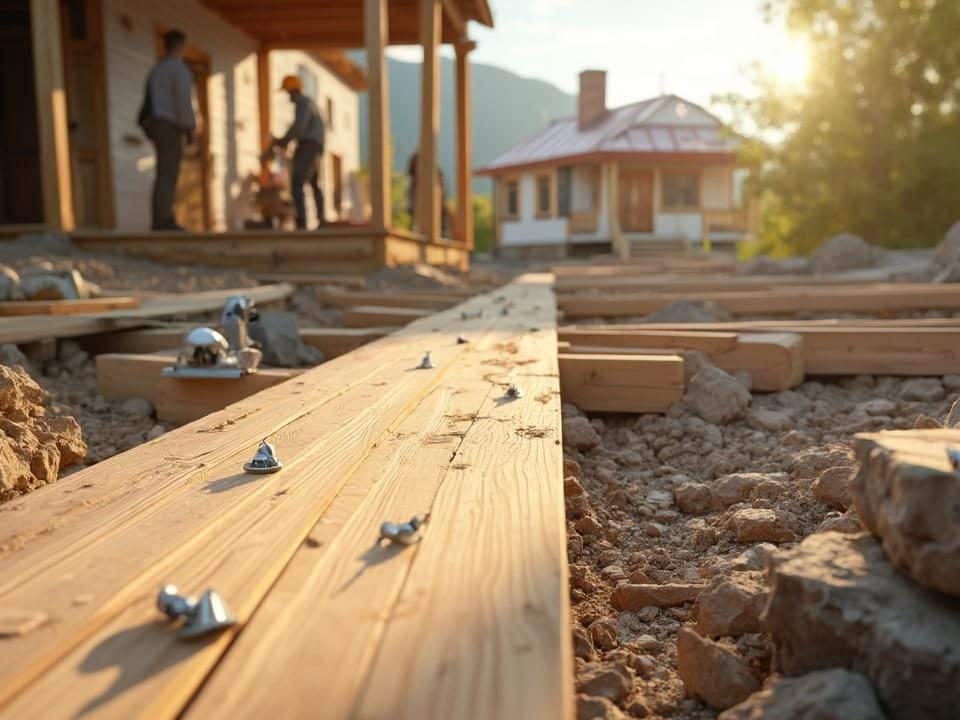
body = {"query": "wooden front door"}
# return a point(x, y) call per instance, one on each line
point(636, 200)
point(21, 192)
point(83, 71)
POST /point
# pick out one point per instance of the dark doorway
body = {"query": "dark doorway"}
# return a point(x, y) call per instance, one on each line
point(21, 192)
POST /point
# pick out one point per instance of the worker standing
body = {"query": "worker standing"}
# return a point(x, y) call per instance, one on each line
point(308, 130)
point(167, 117)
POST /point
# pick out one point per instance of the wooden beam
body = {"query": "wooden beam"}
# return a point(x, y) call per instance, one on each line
point(263, 99)
point(88, 306)
point(464, 103)
point(51, 99)
point(177, 400)
point(621, 383)
point(436, 606)
point(381, 166)
point(346, 298)
point(364, 316)
point(428, 204)
point(179, 509)
point(708, 342)
point(899, 297)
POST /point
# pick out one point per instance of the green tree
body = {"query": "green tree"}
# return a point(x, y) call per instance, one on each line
point(482, 223)
point(871, 144)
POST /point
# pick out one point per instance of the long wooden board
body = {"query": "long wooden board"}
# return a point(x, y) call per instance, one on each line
point(177, 400)
point(621, 383)
point(422, 604)
point(67, 307)
point(365, 316)
point(23, 330)
point(336, 297)
point(892, 298)
point(177, 509)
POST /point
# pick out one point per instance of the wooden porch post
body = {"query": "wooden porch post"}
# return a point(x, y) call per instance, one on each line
point(376, 34)
point(52, 114)
point(263, 98)
point(428, 204)
point(464, 143)
point(612, 190)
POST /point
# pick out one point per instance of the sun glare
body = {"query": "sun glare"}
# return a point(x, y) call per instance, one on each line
point(790, 63)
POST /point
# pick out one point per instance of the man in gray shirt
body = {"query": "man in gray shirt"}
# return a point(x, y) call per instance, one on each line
point(167, 117)
point(308, 130)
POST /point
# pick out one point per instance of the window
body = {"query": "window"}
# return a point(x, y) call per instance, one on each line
point(564, 191)
point(681, 190)
point(511, 200)
point(329, 113)
point(544, 196)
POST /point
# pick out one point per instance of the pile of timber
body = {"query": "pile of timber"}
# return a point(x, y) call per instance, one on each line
point(472, 622)
point(635, 366)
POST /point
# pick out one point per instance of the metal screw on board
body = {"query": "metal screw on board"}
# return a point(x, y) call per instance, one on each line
point(427, 362)
point(954, 456)
point(505, 310)
point(265, 460)
point(461, 340)
point(406, 533)
point(204, 616)
point(514, 392)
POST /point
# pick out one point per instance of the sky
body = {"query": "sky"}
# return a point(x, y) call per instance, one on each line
point(693, 48)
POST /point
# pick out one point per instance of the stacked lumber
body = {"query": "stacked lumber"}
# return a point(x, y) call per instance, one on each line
point(437, 300)
point(368, 316)
point(472, 622)
point(871, 299)
point(67, 307)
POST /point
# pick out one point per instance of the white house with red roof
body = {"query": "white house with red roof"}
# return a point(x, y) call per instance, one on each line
point(657, 172)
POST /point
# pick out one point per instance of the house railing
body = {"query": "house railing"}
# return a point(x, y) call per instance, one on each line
point(584, 221)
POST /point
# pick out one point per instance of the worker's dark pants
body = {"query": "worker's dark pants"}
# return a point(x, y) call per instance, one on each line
point(167, 139)
point(304, 171)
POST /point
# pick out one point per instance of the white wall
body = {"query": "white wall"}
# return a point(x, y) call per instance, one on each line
point(342, 136)
point(130, 38)
point(529, 230)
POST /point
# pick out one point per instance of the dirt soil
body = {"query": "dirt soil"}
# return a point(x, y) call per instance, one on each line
point(662, 500)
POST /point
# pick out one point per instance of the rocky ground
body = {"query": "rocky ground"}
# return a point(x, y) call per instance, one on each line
point(672, 521)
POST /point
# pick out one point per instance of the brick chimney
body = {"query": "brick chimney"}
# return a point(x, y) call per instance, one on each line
point(592, 102)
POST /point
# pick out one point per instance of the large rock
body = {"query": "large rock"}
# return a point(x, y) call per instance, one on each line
point(836, 694)
point(907, 496)
point(34, 447)
point(713, 671)
point(836, 601)
point(55, 285)
point(279, 336)
point(606, 681)
point(717, 396)
point(844, 252)
point(689, 311)
point(732, 605)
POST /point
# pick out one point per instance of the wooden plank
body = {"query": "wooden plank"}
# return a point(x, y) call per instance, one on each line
point(708, 342)
point(354, 282)
point(430, 301)
point(907, 348)
point(449, 457)
point(892, 298)
point(646, 266)
point(373, 316)
point(178, 400)
point(179, 509)
point(621, 383)
point(68, 307)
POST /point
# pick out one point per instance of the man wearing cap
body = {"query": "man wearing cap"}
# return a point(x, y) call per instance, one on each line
point(308, 130)
point(167, 118)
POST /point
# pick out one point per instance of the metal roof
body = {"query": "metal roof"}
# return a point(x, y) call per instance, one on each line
point(637, 128)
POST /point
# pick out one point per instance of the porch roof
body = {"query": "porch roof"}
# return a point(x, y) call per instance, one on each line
point(622, 132)
point(312, 24)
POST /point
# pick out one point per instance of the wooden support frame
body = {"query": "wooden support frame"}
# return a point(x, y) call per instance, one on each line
point(621, 383)
point(263, 99)
point(51, 98)
point(428, 195)
point(366, 316)
point(376, 33)
point(464, 109)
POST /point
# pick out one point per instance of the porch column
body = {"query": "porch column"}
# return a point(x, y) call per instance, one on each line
point(263, 98)
point(612, 191)
point(464, 143)
point(428, 201)
point(375, 32)
point(52, 114)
